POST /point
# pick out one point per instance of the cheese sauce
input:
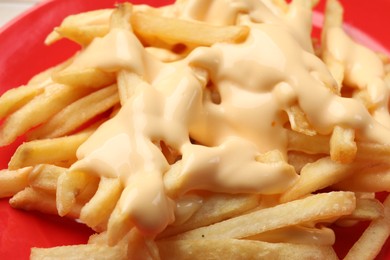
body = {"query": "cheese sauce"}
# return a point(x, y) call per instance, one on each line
point(223, 107)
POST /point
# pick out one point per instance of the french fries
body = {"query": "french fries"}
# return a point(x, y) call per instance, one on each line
point(273, 218)
point(180, 92)
point(241, 249)
point(52, 100)
point(70, 118)
point(11, 182)
point(46, 151)
point(173, 31)
point(370, 243)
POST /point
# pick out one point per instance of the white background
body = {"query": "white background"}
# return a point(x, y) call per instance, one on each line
point(9, 9)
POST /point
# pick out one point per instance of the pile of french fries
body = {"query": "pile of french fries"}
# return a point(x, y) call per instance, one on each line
point(339, 177)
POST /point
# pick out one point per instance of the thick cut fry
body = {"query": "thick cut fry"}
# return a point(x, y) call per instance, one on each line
point(313, 208)
point(299, 122)
point(373, 238)
point(70, 185)
point(214, 209)
point(44, 177)
point(316, 176)
point(342, 145)
point(240, 249)
point(11, 182)
point(15, 98)
point(60, 150)
point(77, 114)
point(99, 208)
point(39, 110)
point(31, 199)
point(176, 31)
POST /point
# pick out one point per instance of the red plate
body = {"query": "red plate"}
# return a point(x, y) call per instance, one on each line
point(23, 55)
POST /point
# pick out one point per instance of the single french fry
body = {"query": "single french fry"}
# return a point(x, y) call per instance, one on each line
point(84, 77)
point(15, 98)
point(364, 97)
point(373, 152)
point(137, 246)
point(300, 159)
point(215, 208)
point(11, 182)
point(369, 179)
point(119, 223)
point(333, 17)
point(44, 177)
point(128, 84)
point(282, 4)
point(32, 199)
point(120, 17)
point(99, 208)
point(313, 208)
point(140, 247)
point(318, 175)
point(337, 70)
point(309, 4)
point(81, 35)
point(78, 252)
point(82, 28)
point(343, 147)
point(298, 234)
point(52, 37)
point(317, 144)
point(126, 215)
point(366, 209)
point(299, 122)
point(77, 114)
point(373, 238)
point(70, 185)
point(39, 110)
point(224, 248)
point(48, 151)
point(177, 31)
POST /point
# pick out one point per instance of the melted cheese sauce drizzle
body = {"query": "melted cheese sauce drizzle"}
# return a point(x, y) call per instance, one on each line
point(222, 143)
